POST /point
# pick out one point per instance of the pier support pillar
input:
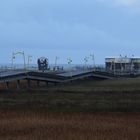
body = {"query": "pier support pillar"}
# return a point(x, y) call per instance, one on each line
point(18, 84)
point(38, 83)
point(7, 85)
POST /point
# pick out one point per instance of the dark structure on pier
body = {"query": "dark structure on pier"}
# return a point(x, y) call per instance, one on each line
point(42, 63)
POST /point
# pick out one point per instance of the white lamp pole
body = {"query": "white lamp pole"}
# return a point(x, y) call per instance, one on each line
point(56, 60)
point(29, 60)
point(24, 59)
point(69, 63)
point(19, 53)
point(114, 66)
point(13, 57)
point(93, 59)
point(121, 61)
point(86, 60)
point(132, 65)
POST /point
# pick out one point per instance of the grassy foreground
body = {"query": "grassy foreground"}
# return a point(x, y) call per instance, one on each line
point(48, 126)
point(82, 110)
point(120, 95)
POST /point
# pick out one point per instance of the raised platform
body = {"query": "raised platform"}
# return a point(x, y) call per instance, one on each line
point(7, 76)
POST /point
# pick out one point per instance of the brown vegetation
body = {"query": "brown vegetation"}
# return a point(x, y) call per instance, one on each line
point(71, 112)
point(47, 126)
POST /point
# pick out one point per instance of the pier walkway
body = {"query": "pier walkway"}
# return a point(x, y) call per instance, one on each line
point(7, 76)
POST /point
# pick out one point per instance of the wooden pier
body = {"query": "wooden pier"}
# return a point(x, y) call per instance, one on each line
point(9, 76)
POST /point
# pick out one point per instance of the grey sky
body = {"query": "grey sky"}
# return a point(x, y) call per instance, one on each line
point(73, 28)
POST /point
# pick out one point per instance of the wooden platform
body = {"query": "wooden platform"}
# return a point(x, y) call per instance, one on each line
point(7, 76)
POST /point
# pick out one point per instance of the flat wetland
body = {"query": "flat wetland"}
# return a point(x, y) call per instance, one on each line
point(81, 110)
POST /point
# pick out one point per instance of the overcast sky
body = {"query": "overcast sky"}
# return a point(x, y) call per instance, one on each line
point(69, 28)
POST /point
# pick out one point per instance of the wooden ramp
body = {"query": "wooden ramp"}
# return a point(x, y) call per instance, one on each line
point(8, 76)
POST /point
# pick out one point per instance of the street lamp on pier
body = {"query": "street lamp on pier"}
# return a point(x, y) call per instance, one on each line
point(14, 57)
point(29, 60)
point(93, 59)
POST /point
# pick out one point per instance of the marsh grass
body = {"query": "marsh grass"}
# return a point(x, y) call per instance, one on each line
point(80, 96)
point(89, 85)
point(48, 126)
point(79, 110)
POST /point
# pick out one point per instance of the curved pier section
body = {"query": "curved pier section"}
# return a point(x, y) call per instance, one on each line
point(8, 76)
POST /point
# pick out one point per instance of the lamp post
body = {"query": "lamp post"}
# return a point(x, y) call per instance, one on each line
point(69, 60)
point(132, 64)
point(126, 63)
point(18, 53)
point(13, 57)
point(86, 60)
point(114, 66)
point(29, 60)
point(69, 63)
point(121, 61)
point(56, 60)
point(55, 63)
point(93, 59)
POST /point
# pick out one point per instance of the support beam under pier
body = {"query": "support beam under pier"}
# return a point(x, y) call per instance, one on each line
point(38, 83)
point(18, 84)
point(7, 85)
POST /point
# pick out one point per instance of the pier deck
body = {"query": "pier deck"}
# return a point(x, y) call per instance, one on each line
point(7, 76)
